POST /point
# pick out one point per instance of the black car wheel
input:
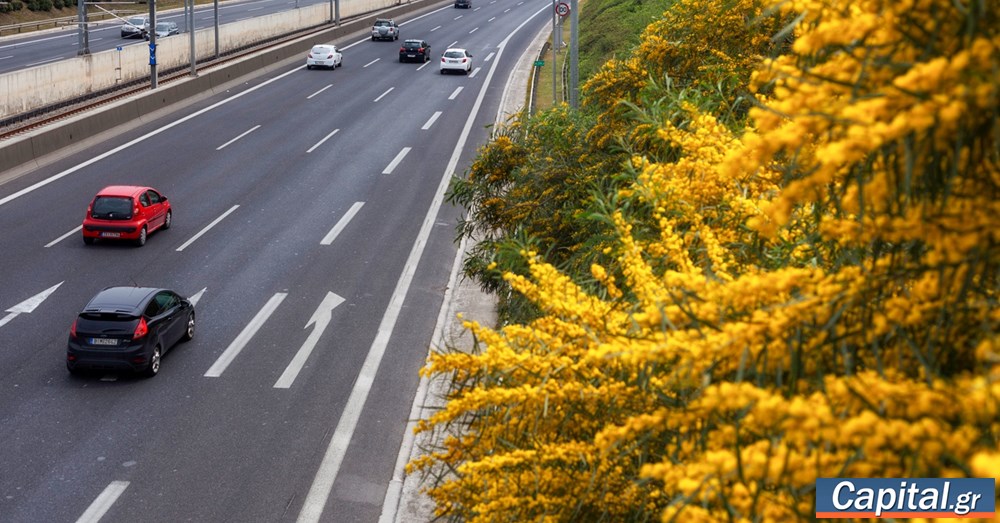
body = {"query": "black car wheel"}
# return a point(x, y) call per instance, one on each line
point(189, 331)
point(154, 363)
point(141, 240)
point(73, 371)
point(167, 221)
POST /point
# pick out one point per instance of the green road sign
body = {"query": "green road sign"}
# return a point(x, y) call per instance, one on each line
point(539, 63)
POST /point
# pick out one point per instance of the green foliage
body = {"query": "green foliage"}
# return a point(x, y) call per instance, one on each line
point(610, 29)
point(40, 5)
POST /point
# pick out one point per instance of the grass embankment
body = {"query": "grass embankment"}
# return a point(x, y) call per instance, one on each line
point(608, 28)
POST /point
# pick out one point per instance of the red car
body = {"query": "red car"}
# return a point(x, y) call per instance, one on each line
point(126, 212)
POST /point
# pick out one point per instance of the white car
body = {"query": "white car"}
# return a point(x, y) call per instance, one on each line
point(455, 59)
point(324, 56)
point(135, 27)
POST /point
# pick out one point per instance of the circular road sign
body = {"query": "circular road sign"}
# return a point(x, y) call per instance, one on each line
point(562, 9)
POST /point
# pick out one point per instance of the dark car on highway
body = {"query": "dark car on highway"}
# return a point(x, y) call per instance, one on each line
point(416, 50)
point(130, 329)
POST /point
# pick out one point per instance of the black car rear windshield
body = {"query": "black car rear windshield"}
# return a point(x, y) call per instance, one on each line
point(412, 45)
point(112, 208)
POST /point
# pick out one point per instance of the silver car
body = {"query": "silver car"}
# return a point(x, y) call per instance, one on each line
point(166, 29)
point(385, 29)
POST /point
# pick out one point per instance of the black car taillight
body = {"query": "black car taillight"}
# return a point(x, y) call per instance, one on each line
point(141, 329)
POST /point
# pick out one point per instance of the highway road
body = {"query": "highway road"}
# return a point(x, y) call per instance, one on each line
point(29, 50)
point(309, 226)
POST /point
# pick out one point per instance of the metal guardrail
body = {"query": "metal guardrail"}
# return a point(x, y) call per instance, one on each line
point(58, 22)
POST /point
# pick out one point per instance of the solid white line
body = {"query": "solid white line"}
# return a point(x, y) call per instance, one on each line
point(455, 93)
point(100, 506)
point(473, 73)
point(436, 28)
point(207, 227)
point(387, 91)
point(395, 161)
point(431, 120)
point(369, 63)
point(255, 9)
point(474, 30)
point(6, 57)
point(252, 129)
point(320, 91)
point(487, 59)
point(35, 41)
point(63, 237)
point(341, 224)
point(237, 345)
point(325, 138)
point(390, 505)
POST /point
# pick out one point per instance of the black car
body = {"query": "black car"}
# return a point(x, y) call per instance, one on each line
point(129, 328)
point(463, 3)
point(418, 50)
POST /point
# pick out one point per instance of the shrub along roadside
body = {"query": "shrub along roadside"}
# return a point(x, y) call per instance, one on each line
point(792, 273)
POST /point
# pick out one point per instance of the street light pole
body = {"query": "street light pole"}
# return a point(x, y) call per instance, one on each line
point(574, 72)
point(555, 51)
point(83, 34)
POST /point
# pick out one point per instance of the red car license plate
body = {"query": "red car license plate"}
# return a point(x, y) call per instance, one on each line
point(111, 235)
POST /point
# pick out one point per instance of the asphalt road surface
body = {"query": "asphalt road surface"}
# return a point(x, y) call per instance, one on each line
point(310, 228)
point(31, 49)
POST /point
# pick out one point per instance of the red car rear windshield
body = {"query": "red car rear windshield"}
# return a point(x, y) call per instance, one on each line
point(112, 208)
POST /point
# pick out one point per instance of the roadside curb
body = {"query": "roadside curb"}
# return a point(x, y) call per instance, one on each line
point(404, 500)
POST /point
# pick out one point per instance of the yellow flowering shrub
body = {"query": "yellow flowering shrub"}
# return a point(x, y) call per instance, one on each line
point(813, 295)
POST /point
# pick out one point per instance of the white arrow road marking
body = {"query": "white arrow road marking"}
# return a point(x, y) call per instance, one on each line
point(103, 502)
point(194, 299)
point(321, 318)
point(319, 492)
point(241, 341)
point(341, 224)
point(28, 305)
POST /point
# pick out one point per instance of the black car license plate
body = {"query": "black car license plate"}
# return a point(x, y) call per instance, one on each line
point(111, 342)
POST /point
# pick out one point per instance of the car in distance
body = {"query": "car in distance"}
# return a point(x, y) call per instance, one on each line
point(414, 50)
point(126, 212)
point(135, 27)
point(456, 59)
point(130, 329)
point(324, 56)
point(385, 29)
point(164, 29)
point(466, 4)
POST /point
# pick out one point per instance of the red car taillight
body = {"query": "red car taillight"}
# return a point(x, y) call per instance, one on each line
point(141, 329)
point(442, 59)
point(465, 60)
point(72, 329)
point(420, 50)
point(329, 56)
point(310, 55)
point(402, 49)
